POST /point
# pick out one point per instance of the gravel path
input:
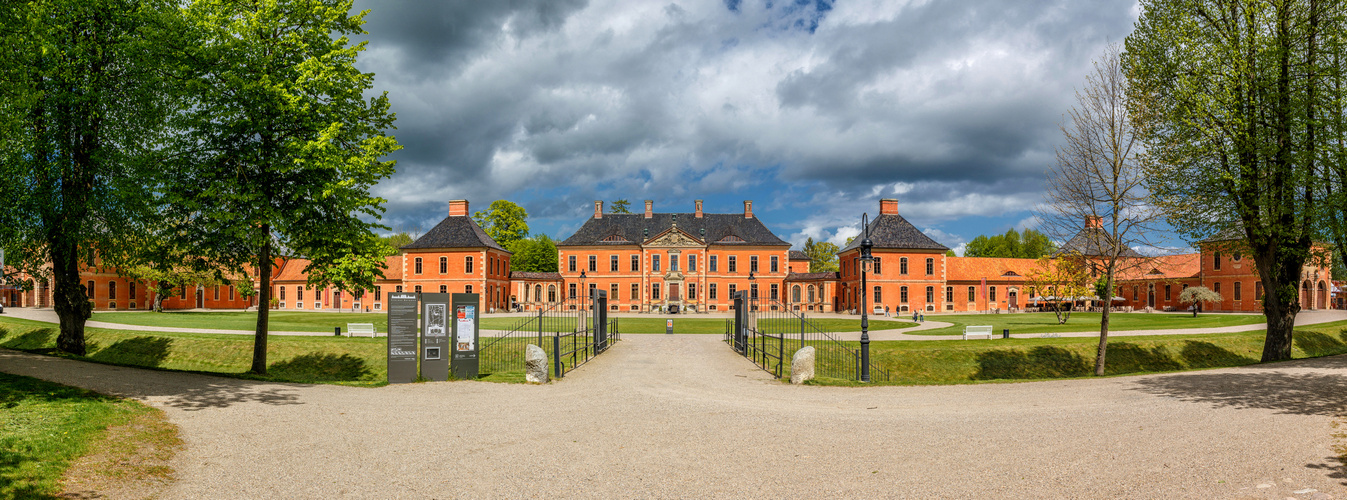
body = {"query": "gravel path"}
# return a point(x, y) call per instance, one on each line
point(682, 416)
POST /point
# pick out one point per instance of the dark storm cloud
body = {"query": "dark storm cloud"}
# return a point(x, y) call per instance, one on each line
point(556, 103)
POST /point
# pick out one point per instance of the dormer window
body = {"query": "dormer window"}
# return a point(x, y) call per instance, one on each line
point(731, 239)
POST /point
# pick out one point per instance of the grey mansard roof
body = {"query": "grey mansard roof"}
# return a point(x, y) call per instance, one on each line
point(455, 232)
point(631, 229)
point(893, 231)
point(1092, 242)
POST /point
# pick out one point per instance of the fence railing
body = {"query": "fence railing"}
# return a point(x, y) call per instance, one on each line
point(769, 333)
point(571, 332)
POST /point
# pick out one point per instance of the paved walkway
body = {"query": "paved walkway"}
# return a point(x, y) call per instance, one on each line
point(682, 416)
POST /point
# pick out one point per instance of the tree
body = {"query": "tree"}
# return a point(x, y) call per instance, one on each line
point(398, 240)
point(1030, 244)
point(504, 222)
point(1233, 100)
point(355, 273)
point(822, 256)
point(84, 102)
point(1096, 191)
point(620, 206)
point(537, 254)
point(284, 147)
point(1196, 295)
point(950, 253)
point(1061, 282)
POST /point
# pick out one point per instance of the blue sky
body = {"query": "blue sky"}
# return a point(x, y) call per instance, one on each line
point(813, 109)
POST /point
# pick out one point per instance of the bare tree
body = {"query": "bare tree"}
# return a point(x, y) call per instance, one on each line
point(1096, 191)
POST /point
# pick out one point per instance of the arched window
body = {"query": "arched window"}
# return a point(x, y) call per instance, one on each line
point(811, 293)
point(795, 293)
point(538, 292)
point(112, 290)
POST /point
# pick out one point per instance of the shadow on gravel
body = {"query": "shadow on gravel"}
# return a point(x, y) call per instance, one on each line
point(1301, 394)
point(212, 392)
point(1335, 467)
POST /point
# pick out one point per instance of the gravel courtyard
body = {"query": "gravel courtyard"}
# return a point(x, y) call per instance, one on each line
point(682, 416)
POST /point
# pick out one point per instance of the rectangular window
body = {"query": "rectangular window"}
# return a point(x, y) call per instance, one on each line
point(182, 292)
point(418, 289)
point(753, 264)
point(444, 288)
point(902, 265)
point(467, 265)
point(732, 290)
point(972, 294)
point(775, 265)
point(418, 265)
point(930, 267)
point(133, 290)
point(654, 263)
point(733, 264)
point(991, 295)
point(570, 263)
point(444, 265)
point(593, 263)
point(1167, 289)
point(612, 263)
point(654, 291)
point(282, 293)
point(635, 263)
point(612, 292)
point(299, 293)
point(673, 262)
point(930, 294)
point(712, 263)
point(231, 291)
point(692, 291)
point(571, 289)
point(877, 267)
point(1258, 290)
point(712, 291)
point(1238, 294)
point(753, 290)
point(949, 294)
point(112, 290)
point(592, 287)
point(398, 289)
point(692, 263)
point(378, 293)
point(1216, 287)
point(1217, 261)
point(635, 292)
point(216, 293)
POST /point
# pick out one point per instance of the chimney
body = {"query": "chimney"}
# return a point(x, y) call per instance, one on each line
point(649, 208)
point(458, 208)
point(888, 206)
point(1094, 221)
point(598, 209)
point(748, 209)
point(698, 213)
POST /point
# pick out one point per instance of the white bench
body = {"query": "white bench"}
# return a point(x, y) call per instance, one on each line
point(977, 330)
point(353, 329)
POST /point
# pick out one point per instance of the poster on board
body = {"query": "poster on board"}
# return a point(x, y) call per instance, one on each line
point(467, 330)
point(435, 320)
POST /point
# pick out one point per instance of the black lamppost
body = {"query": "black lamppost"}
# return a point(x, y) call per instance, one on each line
point(583, 291)
point(752, 294)
point(866, 258)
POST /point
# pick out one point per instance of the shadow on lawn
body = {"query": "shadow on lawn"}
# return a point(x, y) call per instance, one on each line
point(1045, 362)
point(41, 338)
point(138, 351)
point(317, 366)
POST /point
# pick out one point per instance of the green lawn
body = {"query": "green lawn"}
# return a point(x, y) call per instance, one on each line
point(278, 321)
point(44, 427)
point(1085, 322)
point(294, 321)
point(968, 361)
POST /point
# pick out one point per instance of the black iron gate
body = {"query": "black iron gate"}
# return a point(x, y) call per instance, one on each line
point(571, 332)
point(769, 333)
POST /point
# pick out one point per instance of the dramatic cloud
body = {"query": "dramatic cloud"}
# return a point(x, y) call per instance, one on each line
point(813, 108)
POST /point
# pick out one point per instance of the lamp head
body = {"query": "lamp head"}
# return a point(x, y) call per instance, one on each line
point(750, 276)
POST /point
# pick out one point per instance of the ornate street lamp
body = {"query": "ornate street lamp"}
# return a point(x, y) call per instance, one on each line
point(583, 290)
point(866, 259)
point(752, 294)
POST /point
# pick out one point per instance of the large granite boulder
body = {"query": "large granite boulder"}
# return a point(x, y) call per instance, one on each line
point(535, 364)
point(802, 365)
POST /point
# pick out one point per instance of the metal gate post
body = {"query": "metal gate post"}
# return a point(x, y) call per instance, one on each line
point(556, 355)
point(739, 325)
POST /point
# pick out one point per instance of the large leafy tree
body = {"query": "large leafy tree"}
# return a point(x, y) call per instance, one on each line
point(84, 102)
point(620, 206)
point(1030, 244)
point(822, 256)
point(536, 254)
point(503, 221)
point(284, 144)
point(1233, 99)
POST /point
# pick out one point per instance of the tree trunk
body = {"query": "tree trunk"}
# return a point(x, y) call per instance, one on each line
point(1281, 322)
point(1103, 332)
point(70, 299)
point(264, 298)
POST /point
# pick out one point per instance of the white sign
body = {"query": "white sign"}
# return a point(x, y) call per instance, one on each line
point(435, 321)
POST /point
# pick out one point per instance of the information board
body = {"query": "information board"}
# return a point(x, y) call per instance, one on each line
point(467, 319)
point(435, 336)
point(402, 337)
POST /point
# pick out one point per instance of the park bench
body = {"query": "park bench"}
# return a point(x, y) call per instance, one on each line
point(353, 329)
point(977, 330)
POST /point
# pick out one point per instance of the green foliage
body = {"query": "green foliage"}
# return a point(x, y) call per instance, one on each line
point(822, 254)
point(950, 253)
point(504, 222)
point(1030, 244)
point(620, 206)
point(537, 254)
point(1231, 98)
point(355, 272)
point(84, 104)
point(397, 240)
